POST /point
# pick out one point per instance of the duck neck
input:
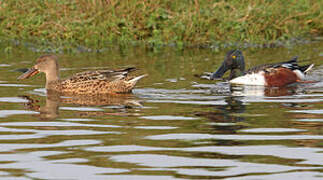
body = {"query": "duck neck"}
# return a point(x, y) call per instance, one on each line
point(51, 76)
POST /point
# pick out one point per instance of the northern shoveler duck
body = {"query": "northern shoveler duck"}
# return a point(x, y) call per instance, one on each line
point(88, 82)
point(275, 75)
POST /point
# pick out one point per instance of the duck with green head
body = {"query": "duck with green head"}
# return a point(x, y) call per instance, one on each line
point(277, 74)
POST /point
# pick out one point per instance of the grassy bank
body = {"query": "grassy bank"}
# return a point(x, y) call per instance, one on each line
point(97, 23)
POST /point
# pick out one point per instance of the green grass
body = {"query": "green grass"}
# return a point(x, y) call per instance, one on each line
point(183, 23)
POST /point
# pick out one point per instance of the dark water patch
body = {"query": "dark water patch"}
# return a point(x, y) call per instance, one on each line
point(40, 46)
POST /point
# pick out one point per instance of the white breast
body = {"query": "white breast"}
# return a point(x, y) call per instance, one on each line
point(250, 79)
point(299, 74)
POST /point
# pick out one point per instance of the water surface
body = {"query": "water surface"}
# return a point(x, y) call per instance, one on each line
point(174, 125)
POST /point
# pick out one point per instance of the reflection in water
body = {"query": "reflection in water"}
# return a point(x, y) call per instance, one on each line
point(264, 91)
point(53, 101)
point(246, 90)
point(222, 118)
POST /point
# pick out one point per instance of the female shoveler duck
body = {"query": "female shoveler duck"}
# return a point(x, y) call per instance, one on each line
point(276, 75)
point(86, 83)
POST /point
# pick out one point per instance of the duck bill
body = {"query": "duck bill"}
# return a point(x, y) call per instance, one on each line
point(220, 72)
point(31, 72)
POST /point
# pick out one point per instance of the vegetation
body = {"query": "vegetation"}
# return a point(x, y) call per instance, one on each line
point(99, 23)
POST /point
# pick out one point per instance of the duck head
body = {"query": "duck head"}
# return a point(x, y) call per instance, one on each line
point(233, 60)
point(46, 64)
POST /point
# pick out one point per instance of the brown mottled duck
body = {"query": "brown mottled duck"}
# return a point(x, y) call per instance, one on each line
point(83, 83)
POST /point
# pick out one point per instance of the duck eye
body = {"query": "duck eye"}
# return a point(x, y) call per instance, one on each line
point(233, 57)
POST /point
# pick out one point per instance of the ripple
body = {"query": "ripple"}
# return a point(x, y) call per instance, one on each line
point(45, 133)
point(73, 132)
point(213, 86)
point(271, 130)
point(155, 127)
point(13, 99)
point(39, 92)
point(20, 137)
point(179, 96)
point(310, 120)
point(281, 100)
point(6, 113)
point(5, 65)
point(141, 177)
point(309, 155)
point(68, 143)
point(221, 124)
point(124, 148)
point(319, 111)
point(14, 85)
point(41, 168)
point(77, 119)
point(168, 117)
point(4, 174)
point(173, 80)
point(189, 136)
point(286, 175)
point(220, 102)
point(81, 108)
point(55, 124)
point(166, 91)
point(175, 163)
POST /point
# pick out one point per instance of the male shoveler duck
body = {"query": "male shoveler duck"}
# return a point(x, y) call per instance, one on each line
point(274, 75)
point(88, 82)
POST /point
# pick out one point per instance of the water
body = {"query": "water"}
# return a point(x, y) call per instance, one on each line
point(174, 125)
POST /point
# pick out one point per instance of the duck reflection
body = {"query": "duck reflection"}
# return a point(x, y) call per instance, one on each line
point(247, 90)
point(223, 118)
point(263, 91)
point(120, 103)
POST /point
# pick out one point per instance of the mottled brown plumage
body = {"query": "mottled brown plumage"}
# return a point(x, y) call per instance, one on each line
point(88, 82)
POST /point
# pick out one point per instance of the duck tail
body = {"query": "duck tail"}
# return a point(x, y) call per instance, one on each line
point(306, 68)
point(136, 79)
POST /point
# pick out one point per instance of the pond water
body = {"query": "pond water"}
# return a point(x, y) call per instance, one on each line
point(174, 125)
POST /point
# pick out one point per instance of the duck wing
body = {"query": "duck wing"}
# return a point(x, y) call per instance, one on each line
point(291, 64)
point(99, 75)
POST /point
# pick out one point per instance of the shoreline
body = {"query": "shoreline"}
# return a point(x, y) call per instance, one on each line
point(66, 25)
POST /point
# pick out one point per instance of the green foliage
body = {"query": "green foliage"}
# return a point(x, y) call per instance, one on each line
point(97, 23)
